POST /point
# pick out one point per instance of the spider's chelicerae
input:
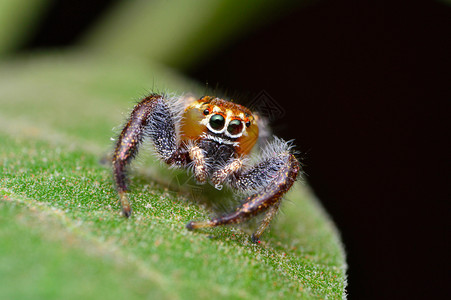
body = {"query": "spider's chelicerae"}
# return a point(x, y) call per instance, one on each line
point(212, 137)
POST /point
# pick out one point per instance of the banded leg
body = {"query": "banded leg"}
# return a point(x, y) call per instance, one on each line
point(269, 215)
point(150, 118)
point(280, 172)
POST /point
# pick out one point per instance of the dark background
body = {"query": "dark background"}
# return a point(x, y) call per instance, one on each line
point(365, 88)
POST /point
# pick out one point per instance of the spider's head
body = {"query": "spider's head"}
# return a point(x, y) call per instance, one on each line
point(221, 119)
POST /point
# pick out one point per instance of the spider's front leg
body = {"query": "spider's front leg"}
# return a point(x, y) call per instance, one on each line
point(151, 118)
point(271, 178)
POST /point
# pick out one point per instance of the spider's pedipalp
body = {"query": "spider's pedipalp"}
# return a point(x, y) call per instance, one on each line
point(199, 164)
point(225, 171)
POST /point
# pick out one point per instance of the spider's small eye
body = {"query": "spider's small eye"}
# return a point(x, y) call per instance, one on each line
point(206, 112)
point(217, 122)
point(248, 123)
point(235, 127)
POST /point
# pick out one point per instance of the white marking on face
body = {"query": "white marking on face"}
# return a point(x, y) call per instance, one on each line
point(219, 140)
point(229, 115)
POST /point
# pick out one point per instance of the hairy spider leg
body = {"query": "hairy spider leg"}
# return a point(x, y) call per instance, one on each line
point(269, 214)
point(267, 199)
point(151, 118)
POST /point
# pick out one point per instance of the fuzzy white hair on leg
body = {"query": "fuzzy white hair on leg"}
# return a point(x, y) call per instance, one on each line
point(163, 124)
point(177, 104)
point(265, 167)
point(276, 147)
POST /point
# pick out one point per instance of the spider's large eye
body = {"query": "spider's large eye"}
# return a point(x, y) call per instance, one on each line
point(217, 122)
point(235, 127)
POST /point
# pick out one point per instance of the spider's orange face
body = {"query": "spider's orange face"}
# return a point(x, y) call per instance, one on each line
point(225, 120)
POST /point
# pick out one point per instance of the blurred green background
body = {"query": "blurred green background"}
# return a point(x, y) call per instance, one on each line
point(176, 33)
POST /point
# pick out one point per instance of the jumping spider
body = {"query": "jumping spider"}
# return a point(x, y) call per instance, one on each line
point(213, 138)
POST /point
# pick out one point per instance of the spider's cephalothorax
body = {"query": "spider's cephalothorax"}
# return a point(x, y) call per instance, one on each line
point(213, 138)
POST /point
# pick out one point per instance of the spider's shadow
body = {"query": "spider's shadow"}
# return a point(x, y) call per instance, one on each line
point(219, 202)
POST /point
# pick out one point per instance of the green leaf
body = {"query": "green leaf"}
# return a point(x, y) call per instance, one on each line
point(61, 231)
